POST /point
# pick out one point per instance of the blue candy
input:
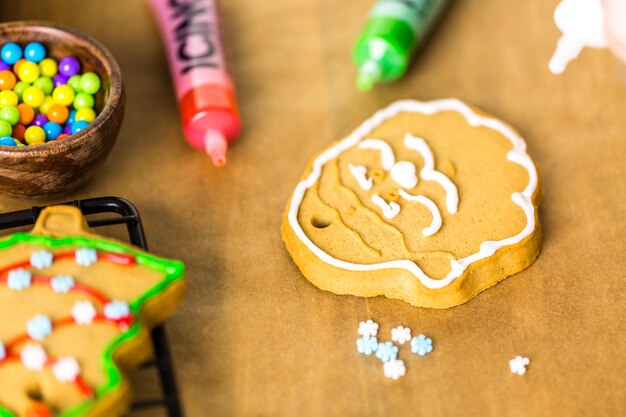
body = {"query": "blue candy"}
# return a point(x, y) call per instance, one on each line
point(11, 53)
point(53, 130)
point(71, 117)
point(7, 141)
point(35, 52)
point(78, 126)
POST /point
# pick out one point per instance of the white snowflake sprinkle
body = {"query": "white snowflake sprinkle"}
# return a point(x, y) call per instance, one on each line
point(66, 369)
point(518, 365)
point(83, 312)
point(368, 328)
point(401, 334)
point(33, 357)
point(394, 369)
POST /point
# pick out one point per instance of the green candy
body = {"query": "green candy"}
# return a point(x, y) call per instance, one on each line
point(45, 84)
point(90, 83)
point(74, 82)
point(19, 88)
point(5, 128)
point(10, 115)
point(83, 100)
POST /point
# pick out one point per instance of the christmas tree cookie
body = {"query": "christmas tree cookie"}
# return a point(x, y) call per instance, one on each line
point(76, 312)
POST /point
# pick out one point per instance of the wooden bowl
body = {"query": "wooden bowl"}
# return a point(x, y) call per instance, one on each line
point(60, 167)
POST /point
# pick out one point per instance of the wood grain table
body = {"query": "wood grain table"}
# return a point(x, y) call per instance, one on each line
point(254, 338)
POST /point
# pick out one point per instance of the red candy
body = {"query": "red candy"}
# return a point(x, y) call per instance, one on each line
point(18, 132)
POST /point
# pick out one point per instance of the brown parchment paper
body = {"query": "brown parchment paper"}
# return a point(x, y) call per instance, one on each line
point(254, 338)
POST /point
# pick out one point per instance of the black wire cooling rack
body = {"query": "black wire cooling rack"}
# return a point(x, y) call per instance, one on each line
point(129, 216)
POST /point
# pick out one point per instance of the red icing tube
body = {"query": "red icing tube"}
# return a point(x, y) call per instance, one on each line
point(204, 89)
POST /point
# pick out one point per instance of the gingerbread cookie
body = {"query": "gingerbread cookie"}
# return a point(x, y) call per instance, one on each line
point(77, 309)
point(428, 202)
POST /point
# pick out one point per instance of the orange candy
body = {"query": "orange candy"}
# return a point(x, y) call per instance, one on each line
point(57, 113)
point(7, 80)
point(27, 114)
point(61, 136)
point(18, 132)
point(16, 66)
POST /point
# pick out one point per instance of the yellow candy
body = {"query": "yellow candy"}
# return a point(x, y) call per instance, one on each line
point(48, 67)
point(85, 114)
point(47, 103)
point(28, 72)
point(63, 94)
point(33, 96)
point(8, 98)
point(34, 134)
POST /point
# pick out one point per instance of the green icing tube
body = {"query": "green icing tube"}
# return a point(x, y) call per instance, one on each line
point(394, 30)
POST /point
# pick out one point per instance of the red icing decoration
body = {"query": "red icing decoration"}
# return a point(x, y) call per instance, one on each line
point(37, 409)
point(85, 389)
point(117, 258)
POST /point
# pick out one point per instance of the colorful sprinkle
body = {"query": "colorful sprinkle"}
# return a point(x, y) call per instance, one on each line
point(41, 259)
point(86, 256)
point(394, 369)
point(518, 365)
point(83, 312)
point(66, 369)
point(62, 283)
point(387, 351)
point(368, 328)
point(33, 356)
point(116, 310)
point(19, 279)
point(401, 334)
point(39, 327)
point(421, 345)
point(367, 345)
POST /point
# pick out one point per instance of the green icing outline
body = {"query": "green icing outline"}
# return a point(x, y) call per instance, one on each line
point(172, 271)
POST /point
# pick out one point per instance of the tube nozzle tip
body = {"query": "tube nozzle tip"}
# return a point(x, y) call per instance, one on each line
point(216, 145)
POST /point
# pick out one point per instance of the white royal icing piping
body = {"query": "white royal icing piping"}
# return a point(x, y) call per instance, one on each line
point(429, 173)
point(387, 157)
point(436, 222)
point(390, 210)
point(359, 173)
point(403, 173)
point(517, 155)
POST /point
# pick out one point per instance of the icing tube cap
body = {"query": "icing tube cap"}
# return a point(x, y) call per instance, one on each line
point(211, 119)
